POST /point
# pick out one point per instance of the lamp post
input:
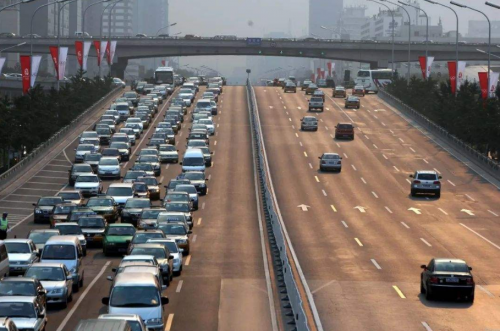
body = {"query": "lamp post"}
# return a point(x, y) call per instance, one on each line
point(477, 49)
point(6, 48)
point(109, 28)
point(393, 24)
point(33, 17)
point(165, 27)
point(409, 37)
point(426, 31)
point(59, 32)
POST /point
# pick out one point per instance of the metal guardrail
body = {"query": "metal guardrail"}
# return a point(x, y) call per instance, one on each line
point(4, 177)
point(281, 240)
point(442, 132)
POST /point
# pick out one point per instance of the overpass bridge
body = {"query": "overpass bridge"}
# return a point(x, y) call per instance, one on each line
point(377, 54)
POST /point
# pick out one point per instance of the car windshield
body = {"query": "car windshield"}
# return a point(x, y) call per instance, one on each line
point(150, 181)
point(193, 161)
point(172, 246)
point(344, 126)
point(352, 99)
point(100, 202)
point(59, 252)
point(120, 191)
point(156, 252)
point(63, 210)
point(69, 229)
point(87, 179)
point(91, 222)
point(177, 206)
point(186, 188)
point(82, 167)
point(310, 119)
point(139, 166)
point(130, 95)
point(41, 237)
point(17, 288)
point(140, 187)
point(49, 201)
point(17, 309)
point(141, 238)
point(92, 157)
point(102, 132)
point(148, 158)
point(152, 213)
point(427, 176)
point(45, 273)
point(110, 152)
point(450, 266)
point(85, 148)
point(70, 195)
point(121, 231)
point(134, 296)
point(119, 145)
point(17, 248)
point(110, 161)
point(138, 203)
point(89, 134)
point(176, 197)
point(174, 229)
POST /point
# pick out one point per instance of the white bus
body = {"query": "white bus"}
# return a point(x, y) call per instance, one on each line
point(372, 79)
point(164, 75)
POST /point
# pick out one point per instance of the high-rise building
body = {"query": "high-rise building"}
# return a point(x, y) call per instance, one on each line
point(122, 19)
point(325, 13)
point(351, 21)
point(9, 22)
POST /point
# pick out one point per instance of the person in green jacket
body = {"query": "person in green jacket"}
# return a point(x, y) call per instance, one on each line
point(4, 226)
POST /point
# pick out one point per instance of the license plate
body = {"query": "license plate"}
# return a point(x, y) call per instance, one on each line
point(108, 173)
point(89, 239)
point(452, 280)
point(122, 249)
point(427, 185)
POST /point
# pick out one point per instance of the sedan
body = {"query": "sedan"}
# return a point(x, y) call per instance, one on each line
point(309, 123)
point(25, 312)
point(56, 279)
point(330, 161)
point(24, 286)
point(352, 102)
point(88, 184)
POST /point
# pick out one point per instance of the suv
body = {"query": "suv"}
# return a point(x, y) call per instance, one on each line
point(316, 103)
point(425, 181)
point(344, 130)
point(309, 123)
point(290, 87)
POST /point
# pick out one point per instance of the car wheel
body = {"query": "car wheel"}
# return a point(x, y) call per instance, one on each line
point(428, 295)
point(70, 298)
point(80, 283)
point(76, 288)
point(340, 169)
point(167, 281)
point(422, 289)
point(471, 298)
point(412, 193)
point(177, 273)
point(65, 303)
point(438, 194)
point(104, 251)
point(321, 169)
point(336, 137)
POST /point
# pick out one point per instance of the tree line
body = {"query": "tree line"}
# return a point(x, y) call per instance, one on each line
point(29, 120)
point(467, 116)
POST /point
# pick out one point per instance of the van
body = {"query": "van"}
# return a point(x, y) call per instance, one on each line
point(68, 251)
point(103, 325)
point(193, 160)
point(4, 260)
point(138, 293)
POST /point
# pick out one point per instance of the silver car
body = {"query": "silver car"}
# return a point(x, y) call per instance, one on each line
point(56, 279)
point(316, 103)
point(83, 149)
point(330, 161)
point(426, 181)
point(175, 252)
point(25, 312)
point(22, 254)
point(109, 167)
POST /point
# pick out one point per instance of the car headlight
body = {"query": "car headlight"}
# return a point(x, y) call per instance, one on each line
point(57, 291)
point(73, 270)
point(111, 244)
point(38, 211)
point(154, 321)
point(83, 242)
point(182, 241)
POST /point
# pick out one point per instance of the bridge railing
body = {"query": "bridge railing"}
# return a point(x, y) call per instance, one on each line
point(422, 120)
point(43, 147)
point(288, 267)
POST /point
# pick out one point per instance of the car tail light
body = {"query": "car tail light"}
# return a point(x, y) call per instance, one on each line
point(323, 162)
point(339, 162)
point(416, 182)
point(434, 280)
point(470, 281)
point(437, 182)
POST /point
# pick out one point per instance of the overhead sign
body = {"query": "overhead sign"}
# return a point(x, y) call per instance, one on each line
point(254, 41)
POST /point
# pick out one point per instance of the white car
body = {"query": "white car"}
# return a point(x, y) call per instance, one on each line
point(168, 153)
point(137, 127)
point(109, 167)
point(24, 311)
point(210, 125)
point(88, 134)
point(121, 192)
point(113, 113)
point(135, 120)
point(82, 150)
point(426, 181)
point(88, 184)
point(130, 134)
point(22, 254)
point(175, 252)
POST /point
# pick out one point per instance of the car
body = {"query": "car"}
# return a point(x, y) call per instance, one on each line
point(316, 103)
point(123, 149)
point(132, 210)
point(174, 182)
point(72, 196)
point(132, 97)
point(162, 255)
point(321, 82)
point(311, 88)
point(25, 312)
point(179, 233)
point(78, 169)
point(93, 228)
point(180, 207)
point(136, 171)
point(190, 190)
point(130, 134)
point(22, 253)
point(26, 287)
point(104, 134)
point(153, 186)
point(305, 84)
point(117, 238)
point(40, 236)
point(118, 82)
point(208, 123)
point(309, 123)
point(175, 252)
point(87, 135)
point(352, 102)
point(168, 153)
point(344, 130)
point(121, 192)
point(290, 87)
point(150, 159)
point(83, 149)
point(135, 321)
point(149, 151)
point(174, 217)
point(359, 90)
point(44, 208)
point(73, 229)
point(444, 276)
point(195, 144)
point(141, 236)
point(80, 211)
point(319, 93)
point(198, 179)
point(104, 206)
point(56, 280)
point(61, 213)
point(91, 159)
point(425, 181)
point(330, 161)
point(109, 167)
point(88, 184)
point(141, 189)
point(339, 91)
point(148, 219)
point(111, 152)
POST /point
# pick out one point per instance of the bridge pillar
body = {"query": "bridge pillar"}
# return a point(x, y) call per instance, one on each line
point(118, 69)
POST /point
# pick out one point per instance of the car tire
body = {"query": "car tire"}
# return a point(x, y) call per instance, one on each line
point(471, 298)
point(70, 298)
point(422, 289)
point(438, 194)
point(340, 170)
point(321, 169)
point(413, 193)
point(428, 295)
point(166, 281)
point(336, 137)
point(65, 303)
point(76, 288)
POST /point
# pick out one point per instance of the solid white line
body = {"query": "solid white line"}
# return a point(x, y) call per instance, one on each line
point(468, 196)
point(375, 194)
point(344, 223)
point(80, 299)
point(405, 225)
point(170, 319)
point(480, 236)
point(426, 326)
point(376, 264)
point(449, 181)
point(482, 288)
point(395, 168)
point(179, 286)
point(352, 165)
point(489, 211)
point(363, 180)
point(385, 157)
point(324, 193)
point(345, 155)
point(16, 201)
point(441, 210)
point(66, 156)
point(426, 242)
point(387, 208)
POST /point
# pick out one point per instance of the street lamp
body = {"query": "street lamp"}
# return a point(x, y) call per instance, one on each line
point(165, 27)
point(489, 30)
point(33, 17)
point(393, 24)
point(6, 48)
point(409, 36)
point(426, 30)
point(477, 49)
point(332, 30)
point(109, 26)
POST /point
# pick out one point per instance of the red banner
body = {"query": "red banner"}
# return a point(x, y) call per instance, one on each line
point(312, 78)
point(483, 83)
point(108, 52)
point(26, 72)
point(452, 71)
point(97, 45)
point(79, 52)
point(318, 73)
point(163, 62)
point(423, 65)
point(54, 53)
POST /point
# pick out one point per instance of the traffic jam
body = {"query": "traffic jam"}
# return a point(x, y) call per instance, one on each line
point(114, 202)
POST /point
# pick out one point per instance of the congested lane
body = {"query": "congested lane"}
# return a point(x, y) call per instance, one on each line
point(362, 239)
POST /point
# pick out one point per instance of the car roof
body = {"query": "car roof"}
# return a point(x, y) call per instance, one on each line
point(46, 230)
point(18, 279)
point(426, 172)
point(47, 264)
point(130, 185)
point(150, 245)
point(56, 240)
point(116, 225)
point(452, 260)
point(127, 317)
point(16, 298)
point(18, 240)
point(331, 154)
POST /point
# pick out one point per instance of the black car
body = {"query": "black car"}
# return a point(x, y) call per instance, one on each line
point(132, 211)
point(24, 286)
point(45, 207)
point(111, 152)
point(105, 206)
point(174, 182)
point(447, 277)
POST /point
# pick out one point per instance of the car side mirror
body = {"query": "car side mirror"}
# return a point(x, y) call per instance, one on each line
point(69, 277)
point(170, 257)
point(423, 266)
point(440, 177)
point(109, 278)
point(411, 176)
point(189, 232)
point(105, 301)
point(470, 268)
point(164, 300)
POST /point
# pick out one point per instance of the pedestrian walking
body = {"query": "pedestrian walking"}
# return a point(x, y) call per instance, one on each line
point(4, 226)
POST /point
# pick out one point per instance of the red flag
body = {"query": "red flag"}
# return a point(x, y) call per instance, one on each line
point(79, 52)
point(54, 53)
point(312, 78)
point(97, 45)
point(483, 83)
point(452, 71)
point(318, 73)
point(329, 66)
point(423, 65)
point(163, 62)
point(108, 53)
point(26, 72)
